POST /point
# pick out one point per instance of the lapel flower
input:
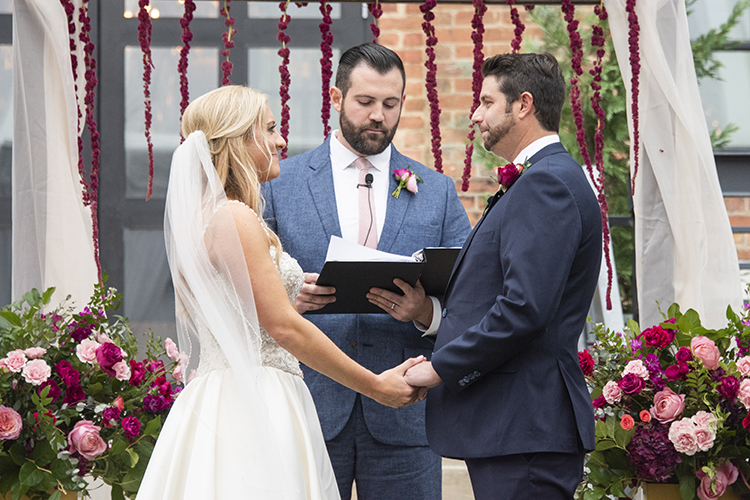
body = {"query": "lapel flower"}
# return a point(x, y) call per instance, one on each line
point(406, 179)
point(509, 173)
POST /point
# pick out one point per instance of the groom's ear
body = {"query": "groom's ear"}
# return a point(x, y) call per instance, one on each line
point(337, 97)
point(527, 105)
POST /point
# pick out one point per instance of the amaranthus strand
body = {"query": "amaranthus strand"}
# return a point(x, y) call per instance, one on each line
point(635, 67)
point(376, 12)
point(226, 65)
point(519, 26)
point(91, 197)
point(477, 36)
point(286, 78)
point(326, 66)
point(431, 80)
point(144, 39)
point(182, 66)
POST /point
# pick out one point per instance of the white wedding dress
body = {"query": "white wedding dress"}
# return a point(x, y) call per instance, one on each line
point(246, 426)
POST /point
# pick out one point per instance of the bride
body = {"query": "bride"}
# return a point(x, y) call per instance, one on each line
point(245, 426)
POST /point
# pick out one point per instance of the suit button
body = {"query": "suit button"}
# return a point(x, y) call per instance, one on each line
point(477, 374)
point(355, 345)
point(445, 312)
point(461, 383)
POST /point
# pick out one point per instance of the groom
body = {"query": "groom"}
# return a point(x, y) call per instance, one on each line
point(509, 396)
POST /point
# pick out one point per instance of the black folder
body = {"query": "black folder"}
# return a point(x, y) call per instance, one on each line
point(353, 280)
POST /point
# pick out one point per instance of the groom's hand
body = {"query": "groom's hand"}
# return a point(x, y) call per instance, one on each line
point(412, 305)
point(312, 296)
point(422, 375)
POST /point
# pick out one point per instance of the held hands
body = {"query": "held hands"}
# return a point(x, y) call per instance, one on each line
point(413, 305)
point(423, 375)
point(393, 390)
point(313, 297)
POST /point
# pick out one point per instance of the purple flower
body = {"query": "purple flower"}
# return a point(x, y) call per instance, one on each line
point(684, 355)
point(599, 402)
point(631, 384)
point(652, 453)
point(673, 372)
point(131, 426)
point(80, 331)
point(635, 345)
point(107, 355)
point(155, 403)
point(728, 387)
point(109, 414)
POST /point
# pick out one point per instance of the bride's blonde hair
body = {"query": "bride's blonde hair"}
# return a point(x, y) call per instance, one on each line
point(230, 117)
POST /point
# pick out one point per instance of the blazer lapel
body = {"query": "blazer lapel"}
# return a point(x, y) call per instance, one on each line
point(396, 207)
point(320, 182)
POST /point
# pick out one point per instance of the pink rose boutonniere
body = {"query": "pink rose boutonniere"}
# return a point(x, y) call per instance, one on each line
point(406, 179)
point(509, 173)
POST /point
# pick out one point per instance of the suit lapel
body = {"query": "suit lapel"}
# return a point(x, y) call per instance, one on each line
point(320, 182)
point(396, 207)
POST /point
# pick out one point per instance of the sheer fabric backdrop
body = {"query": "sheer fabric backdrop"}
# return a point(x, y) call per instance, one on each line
point(52, 235)
point(684, 247)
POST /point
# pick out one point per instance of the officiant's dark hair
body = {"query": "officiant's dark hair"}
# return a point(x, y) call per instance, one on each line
point(537, 74)
point(381, 59)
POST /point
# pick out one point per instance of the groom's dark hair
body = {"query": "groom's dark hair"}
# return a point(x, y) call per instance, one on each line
point(537, 74)
point(381, 59)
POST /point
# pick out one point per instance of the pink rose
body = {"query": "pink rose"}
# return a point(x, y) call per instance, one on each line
point(122, 370)
point(682, 436)
point(85, 439)
point(744, 393)
point(705, 418)
point(704, 437)
point(102, 338)
point(706, 351)
point(401, 174)
point(636, 367)
point(743, 365)
point(4, 365)
point(411, 184)
point(35, 352)
point(36, 372)
point(612, 392)
point(713, 488)
point(667, 405)
point(86, 350)
point(10, 423)
point(172, 351)
point(16, 360)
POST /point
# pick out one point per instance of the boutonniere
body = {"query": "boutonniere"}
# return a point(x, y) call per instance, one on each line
point(509, 173)
point(406, 179)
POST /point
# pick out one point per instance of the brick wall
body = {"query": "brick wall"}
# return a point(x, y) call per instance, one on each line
point(738, 209)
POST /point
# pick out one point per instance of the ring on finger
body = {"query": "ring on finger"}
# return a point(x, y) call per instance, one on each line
point(393, 306)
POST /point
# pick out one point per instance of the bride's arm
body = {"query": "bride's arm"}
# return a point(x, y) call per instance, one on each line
point(300, 337)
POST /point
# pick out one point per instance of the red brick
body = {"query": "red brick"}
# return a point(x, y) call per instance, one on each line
point(413, 71)
point(456, 101)
point(414, 104)
point(443, 17)
point(469, 202)
point(411, 56)
point(414, 138)
point(462, 85)
point(464, 51)
point(413, 8)
point(499, 35)
point(394, 23)
point(459, 34)
point(389, 8)
point(411, 122)
point(390, 39)
point(739, 220)
point(414, 41)
point(474, 218)
point(736, 205)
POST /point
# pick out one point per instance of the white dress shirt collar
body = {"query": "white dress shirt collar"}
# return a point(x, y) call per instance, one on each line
point(535, 147)
point(342, 157)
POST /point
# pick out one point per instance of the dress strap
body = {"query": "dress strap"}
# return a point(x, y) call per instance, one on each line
point(260, 219)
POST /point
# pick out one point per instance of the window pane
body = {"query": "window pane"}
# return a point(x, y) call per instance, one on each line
point(306, 126)
point(148, 296)
point(720, 98)
point(203, 75)
point(171, 8)
point(270, 10)
point(710, 14)
point(6, 118)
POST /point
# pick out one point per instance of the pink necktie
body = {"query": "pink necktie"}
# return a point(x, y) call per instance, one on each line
point(368, 227)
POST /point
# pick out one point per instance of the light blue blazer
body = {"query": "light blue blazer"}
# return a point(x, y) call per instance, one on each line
point(301, 209)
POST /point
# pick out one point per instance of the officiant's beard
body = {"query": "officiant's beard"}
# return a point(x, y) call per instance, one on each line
point(361, 141)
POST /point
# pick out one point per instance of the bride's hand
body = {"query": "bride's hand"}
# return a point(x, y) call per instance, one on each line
point(392, 390)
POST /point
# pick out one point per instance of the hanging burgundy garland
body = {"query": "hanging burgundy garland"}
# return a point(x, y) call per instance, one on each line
point(226, 65)
point(144, 39)
point(376, 12)
point(286, 78)
point(477, 36)
point(182, 66)
point(431, 80)
point(597, 41)
point(326, 66)
point(635, 67)
point(519, 27)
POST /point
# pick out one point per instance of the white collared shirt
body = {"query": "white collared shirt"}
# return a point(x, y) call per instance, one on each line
point(345, 180)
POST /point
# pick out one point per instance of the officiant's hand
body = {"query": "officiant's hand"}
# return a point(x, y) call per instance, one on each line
point(413, 305)
point(423, 375)
point(312, 297)
point(392, 390)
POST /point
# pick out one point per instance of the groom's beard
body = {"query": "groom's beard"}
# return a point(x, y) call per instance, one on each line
point(363, 142)
point(495, 135)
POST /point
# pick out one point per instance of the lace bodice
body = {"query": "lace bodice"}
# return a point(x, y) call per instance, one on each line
point(271, 353)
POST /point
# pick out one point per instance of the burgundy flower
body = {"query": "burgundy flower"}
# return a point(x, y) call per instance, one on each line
point(144, 40)
point(155, 404)
point(54, 389)
point(652, 453)
point(657, 336)
point(137, 372)
point(326, 66)
point(431, 80)
point(107, 355)
point(131, 426)
point(683, 355)
point(155, 366)
point(80, 331)
point(631, 384)
point(182, 66)
point(586, 362)
point(109, 414)
point(286, 77)
point(746, 421)
point(376, 12)
point(519, 27)
point(164, 387)
point(599, 402)
point(673, 372)
point(69, 375)
point(74, 394)
point(729, 387)
point(477, 36)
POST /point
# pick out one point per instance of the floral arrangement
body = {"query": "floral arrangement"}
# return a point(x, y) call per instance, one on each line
point(286, 76)
point(430, 80)
point(226, 37)
point(509, 173)
point(182, 65)
point(76, 400)
point(376, 10)
point(477, 36)
point(671, 404)
point(406, 179)
point(634, 32)
point(326, 66)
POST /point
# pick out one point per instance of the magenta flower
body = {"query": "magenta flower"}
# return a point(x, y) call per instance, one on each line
point(131, 426)
point(107, 355)
point(137, 372)
point(631, 384)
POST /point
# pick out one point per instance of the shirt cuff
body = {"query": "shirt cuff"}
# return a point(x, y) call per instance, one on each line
point(435, 324)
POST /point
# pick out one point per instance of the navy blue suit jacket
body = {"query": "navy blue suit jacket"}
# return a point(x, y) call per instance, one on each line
point(514, 309)
point(301, 209)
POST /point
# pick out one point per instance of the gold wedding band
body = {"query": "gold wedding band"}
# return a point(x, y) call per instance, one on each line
point(393, 306)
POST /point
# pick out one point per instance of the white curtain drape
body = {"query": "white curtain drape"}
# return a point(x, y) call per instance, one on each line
point(52, 234)
point(685, 251)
